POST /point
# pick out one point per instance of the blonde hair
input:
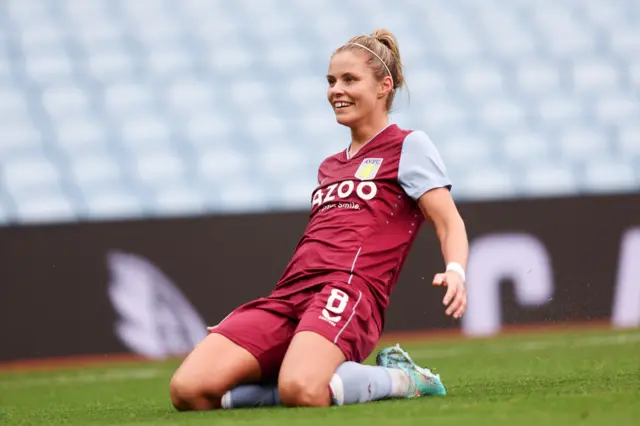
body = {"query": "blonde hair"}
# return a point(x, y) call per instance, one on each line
point(384, 57)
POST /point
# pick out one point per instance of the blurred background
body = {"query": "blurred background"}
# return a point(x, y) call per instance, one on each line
point(155, 126)
point(117, 109)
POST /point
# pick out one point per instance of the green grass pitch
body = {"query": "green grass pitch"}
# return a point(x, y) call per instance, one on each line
point(573, 378)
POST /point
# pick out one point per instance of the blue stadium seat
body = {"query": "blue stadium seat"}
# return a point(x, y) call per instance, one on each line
point(64, 100)
point(159, 167)
point(485, 182)
point(144, 132)
point(76, 137)
point(186, 97)
point(550, 178)
point(44, 207)
point(520, 147)
point(208, 128)
point(123, 99)
point(18, 137)
point(109, 63)
point(629, 141)
point(219, 165)
point(243, 194)
point(617, 108)
point(24, 174)
point(179, 198)
point(13, 103)
point(114, 201)
point(611, 176)
point(582, 143)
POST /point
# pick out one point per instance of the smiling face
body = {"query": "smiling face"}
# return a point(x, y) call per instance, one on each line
point(355, 94)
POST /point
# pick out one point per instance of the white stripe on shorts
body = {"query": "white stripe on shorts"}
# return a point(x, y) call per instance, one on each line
point(218, 324)
point(353, 265)
point(350, 317)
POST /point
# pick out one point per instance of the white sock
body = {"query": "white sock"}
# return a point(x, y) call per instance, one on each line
point(400, 382)
point(355, 383)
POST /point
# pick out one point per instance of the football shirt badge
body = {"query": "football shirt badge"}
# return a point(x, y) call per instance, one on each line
point(368, 168)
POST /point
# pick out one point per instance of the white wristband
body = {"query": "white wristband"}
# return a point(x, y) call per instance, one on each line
point(456, 267)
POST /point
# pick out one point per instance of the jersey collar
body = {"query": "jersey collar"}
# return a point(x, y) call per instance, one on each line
point(346, 151)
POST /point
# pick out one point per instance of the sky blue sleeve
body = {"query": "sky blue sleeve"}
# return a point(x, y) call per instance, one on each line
point(421, 168)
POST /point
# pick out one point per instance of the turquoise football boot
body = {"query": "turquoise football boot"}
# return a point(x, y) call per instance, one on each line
point(423, 381)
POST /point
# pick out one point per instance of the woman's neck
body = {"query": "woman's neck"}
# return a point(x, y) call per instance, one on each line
point(361, 135)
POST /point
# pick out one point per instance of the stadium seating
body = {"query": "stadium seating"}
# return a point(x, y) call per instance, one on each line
point(119, 108)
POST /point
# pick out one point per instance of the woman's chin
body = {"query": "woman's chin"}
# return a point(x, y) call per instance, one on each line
point(345, 119)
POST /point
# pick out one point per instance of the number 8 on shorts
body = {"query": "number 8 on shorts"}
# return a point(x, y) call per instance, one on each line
point(336, 305)
point(342, 314)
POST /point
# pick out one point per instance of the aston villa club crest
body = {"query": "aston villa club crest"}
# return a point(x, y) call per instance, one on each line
point(368, 168)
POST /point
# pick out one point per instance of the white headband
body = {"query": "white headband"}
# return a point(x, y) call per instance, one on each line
point(379, 58)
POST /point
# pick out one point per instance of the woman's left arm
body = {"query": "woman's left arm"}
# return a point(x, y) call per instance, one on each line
point(438, 206)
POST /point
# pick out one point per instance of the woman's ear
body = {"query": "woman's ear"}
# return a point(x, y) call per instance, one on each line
point(386, 87)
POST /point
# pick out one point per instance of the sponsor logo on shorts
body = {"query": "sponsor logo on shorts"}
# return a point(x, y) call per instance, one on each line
point(331, 319)
point(333, 323)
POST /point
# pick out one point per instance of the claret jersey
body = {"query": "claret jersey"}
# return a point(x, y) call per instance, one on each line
point(364, 216)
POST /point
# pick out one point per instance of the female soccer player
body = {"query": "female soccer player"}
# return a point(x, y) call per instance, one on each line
point(326, 313)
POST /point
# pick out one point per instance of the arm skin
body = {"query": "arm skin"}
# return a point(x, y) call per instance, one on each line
point(438, 207)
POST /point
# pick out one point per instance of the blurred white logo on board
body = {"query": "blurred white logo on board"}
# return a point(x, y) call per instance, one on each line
point(155, 319)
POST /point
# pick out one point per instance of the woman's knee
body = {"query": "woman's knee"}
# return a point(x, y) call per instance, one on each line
point(191, 392)
point(304, 392)
point(307, 369)
point(202, 379)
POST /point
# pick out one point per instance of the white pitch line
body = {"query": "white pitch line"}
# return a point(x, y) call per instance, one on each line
point(107, 376)
point(534, 345)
